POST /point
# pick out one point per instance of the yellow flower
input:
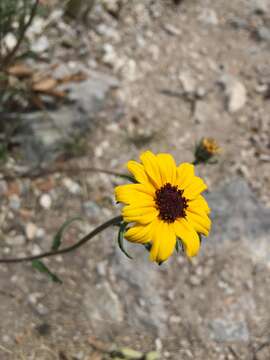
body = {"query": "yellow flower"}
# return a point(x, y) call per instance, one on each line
point(164, 205)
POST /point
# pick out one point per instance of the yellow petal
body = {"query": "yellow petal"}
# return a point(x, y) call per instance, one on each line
point(196, 186)
point(139, 233)
point(164, 240)
point(189, 237)
point(132, 193)
point(151, 167)
point(137, 170)
point(198, 204)
point(141, 215)
point(185, 174)
point(167, 168)
point(200, 222)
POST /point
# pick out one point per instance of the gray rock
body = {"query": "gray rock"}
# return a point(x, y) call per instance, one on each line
point(263, 33)
point(43, 135)
point(260, 6)
point(141, 291)
point(239, 22)
point(90, 94)
point(224, 330)
point(238, 215)
point(103, 305)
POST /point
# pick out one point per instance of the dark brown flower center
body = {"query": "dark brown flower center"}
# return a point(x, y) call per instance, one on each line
point(171, 203)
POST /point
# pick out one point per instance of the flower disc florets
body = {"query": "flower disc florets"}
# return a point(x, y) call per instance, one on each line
point(170, 203)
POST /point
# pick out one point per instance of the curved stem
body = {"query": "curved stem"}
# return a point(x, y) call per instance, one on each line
point(114, 221)
point(42, 173)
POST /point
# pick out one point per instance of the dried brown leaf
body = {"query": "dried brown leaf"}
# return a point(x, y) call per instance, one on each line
point(20, 70)
point(45, 85)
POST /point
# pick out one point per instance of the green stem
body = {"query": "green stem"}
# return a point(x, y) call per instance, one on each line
point(114, 221)
point(42, 173)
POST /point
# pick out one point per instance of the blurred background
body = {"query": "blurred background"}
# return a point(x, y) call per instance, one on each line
point(94, 83)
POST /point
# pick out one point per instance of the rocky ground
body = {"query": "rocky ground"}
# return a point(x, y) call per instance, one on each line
point(158, 76)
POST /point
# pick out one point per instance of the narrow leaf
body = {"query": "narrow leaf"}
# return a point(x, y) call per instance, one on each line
point(41, 267)
point(177, 246)
point(57, 240)
point(148, 246)
point(121, 239)
point(127, 177)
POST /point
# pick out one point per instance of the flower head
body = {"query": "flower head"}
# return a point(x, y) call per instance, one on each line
point(206, 150)
point(164, 205)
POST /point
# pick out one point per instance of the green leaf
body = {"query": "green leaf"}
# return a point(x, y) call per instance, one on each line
point(57, 240)
point(128, 177)
point(148, 246)
point(177, 246)
point(41, 267)
point(121, 239)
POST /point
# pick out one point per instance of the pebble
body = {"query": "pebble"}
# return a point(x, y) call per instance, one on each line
point(228, 330)
point(91, 209)
point(236, 94)
point(202, 112)
point(35, 250)
point(6, 339)
point(209, 16)
point(17, 240)
point(34, 297)
point(174, 319)
point(31, 230)
point(260, 6)
point(172, 30)
point(3, 187)
point(194, 280)
point(14, 202)
point(40, 233)
point(41, 44)
point(10, 40)
point(158, 344)
point(188, 82)
point(42, 309)
point(45, 201)
point(263, 33)
point(110, 56)
point(101, 268)
point(112, 6)
point(73, 187)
